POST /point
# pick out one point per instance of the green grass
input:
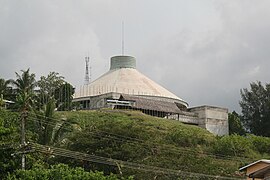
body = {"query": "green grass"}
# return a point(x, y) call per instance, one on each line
point(136, 137)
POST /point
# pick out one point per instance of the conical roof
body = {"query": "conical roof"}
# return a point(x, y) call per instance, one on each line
point(124, 78)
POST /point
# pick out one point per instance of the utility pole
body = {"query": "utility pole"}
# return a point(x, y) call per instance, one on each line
point(23, 143)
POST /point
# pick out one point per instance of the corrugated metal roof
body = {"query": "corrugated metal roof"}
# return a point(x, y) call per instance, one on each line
point(262, 160)
point(150, 104)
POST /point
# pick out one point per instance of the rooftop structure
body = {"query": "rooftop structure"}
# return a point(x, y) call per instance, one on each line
point(124, 87)
point(124, 78)
point(257, 170)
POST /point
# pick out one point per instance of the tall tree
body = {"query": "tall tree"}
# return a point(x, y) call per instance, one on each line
point(52, 130)
point(255, 106)
point(235, 125)
point(47, 87)
point(6, 90)
point(25, 84)
point(64, 96)
point(4, 87)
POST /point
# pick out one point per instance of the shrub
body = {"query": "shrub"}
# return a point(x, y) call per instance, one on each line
point(234, 145)
point(260, 144)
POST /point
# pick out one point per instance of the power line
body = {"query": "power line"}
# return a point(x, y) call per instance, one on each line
point(139, 141)
point(114, 162)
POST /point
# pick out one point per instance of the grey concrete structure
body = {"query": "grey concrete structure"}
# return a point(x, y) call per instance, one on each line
point(214, 119)
point(123, 87)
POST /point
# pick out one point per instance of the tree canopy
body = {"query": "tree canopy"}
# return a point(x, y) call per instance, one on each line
point(255, 104)
point(235, 124)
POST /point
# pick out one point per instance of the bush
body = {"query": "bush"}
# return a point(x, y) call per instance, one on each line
point(234, 145)
point(60, 171)
point(190, 137)
point(260, 144)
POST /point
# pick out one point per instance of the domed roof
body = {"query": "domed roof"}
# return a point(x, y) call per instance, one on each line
point(123, 77)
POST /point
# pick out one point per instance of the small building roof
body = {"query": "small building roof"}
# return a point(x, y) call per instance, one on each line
point(256, 162)
point(260, 173)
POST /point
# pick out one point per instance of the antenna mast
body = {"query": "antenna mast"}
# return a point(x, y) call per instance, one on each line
point(87, 79)
point(123, 45)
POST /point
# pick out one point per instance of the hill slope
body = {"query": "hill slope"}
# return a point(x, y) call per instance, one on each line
point(134, 137)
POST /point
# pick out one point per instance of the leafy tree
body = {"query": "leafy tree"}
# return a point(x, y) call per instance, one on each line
point(61, 171)
point(47, 87)
point(235, 125)
point(6, 91)
point(64, 96)
point(54, 87)
point(255, 106)
point(3, 86)
point(9, 137)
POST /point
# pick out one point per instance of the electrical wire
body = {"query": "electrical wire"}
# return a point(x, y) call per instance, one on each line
point(113, 162)
point(135, 140)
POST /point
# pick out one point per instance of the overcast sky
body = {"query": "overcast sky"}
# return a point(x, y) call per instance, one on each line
point(204, 51)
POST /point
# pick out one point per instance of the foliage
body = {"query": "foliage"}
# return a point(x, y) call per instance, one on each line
point(5, 89)
point(25, 84)
point(234, 145)
point(260, 144)
point(138, 138)
point(64, 96)
point(50, 131)
point(60, 171)
point(8, 138)
point(135, 137)
point(255, 106)
point(235, 125)
point(48, 86)
point(54, 87)
point(44, 122)
point(190, 138)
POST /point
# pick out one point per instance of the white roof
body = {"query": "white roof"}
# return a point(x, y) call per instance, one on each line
point(262, 160)
point(126, 80)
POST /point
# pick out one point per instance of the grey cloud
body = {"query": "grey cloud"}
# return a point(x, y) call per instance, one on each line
point(203, 51)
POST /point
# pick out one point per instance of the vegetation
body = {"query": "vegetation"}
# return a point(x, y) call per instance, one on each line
point(119, 144)
point(135, 137)
point(235, 124)
point(255, 106)
point(60, 171)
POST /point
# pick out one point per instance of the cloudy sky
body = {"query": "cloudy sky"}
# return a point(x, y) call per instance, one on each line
point(204, 51)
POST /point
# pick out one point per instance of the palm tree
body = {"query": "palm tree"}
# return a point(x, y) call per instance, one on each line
point(25, 84)
point(51, 130)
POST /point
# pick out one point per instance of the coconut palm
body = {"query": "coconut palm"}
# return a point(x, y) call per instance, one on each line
point(52, 130)
point(24, 84)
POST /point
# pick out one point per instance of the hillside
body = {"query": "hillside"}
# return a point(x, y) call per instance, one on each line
point(147, 147)
point(134, 137)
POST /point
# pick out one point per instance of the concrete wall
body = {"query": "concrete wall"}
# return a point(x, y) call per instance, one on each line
point(97, 102)
point(214, 119)
point(184, 119)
